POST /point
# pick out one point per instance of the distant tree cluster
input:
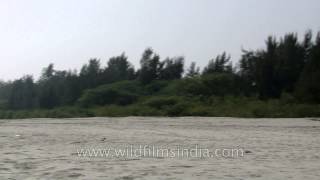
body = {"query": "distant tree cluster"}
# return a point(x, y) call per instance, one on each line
point(285, 66)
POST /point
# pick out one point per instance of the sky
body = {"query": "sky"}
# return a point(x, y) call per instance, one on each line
point(68, 33)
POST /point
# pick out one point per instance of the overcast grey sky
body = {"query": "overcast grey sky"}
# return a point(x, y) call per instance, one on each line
point(68, 33)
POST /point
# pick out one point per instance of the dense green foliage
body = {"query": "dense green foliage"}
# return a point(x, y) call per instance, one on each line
point(281, 80)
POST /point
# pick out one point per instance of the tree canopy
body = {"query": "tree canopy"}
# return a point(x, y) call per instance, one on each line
point(285, 66)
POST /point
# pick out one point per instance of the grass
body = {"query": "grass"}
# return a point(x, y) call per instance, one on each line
point(61, 112)
point(179, 106)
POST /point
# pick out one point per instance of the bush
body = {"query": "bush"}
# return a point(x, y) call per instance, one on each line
point(121, 93)
point(156, 86)
point(178, 109)
point(130, 110)
point(190, 87)
point(161, 102)
point(219, 84)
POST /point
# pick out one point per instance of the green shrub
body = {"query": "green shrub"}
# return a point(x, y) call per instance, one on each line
point(156, 86)
point(190, 87)
point(121, 93)
point(161, 102)
point(178, 109)
point(219, 84)
point(130, 110)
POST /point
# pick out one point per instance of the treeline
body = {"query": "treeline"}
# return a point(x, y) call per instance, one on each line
point(286, 68)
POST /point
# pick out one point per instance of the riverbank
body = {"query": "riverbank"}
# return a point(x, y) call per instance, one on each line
point(48, 148)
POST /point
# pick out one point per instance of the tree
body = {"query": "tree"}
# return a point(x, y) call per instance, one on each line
point(171, 68)
point(290, 62)
point(119, 68)
point(193, 70)
point(307, 45)
point(221, 64)
point(150, 66)
point(267, 84)
point(47, 72)
point(90, 73)
point(308, 87)
point(48, 96)
point(72, 86)
point(22, 95)
point(284, 66)
point(5, 91)
point(249, 71)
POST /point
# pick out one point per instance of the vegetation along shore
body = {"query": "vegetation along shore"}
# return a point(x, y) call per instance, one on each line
point(281, 80)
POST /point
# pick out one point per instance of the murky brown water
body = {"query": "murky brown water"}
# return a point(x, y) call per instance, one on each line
point(47, 148)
